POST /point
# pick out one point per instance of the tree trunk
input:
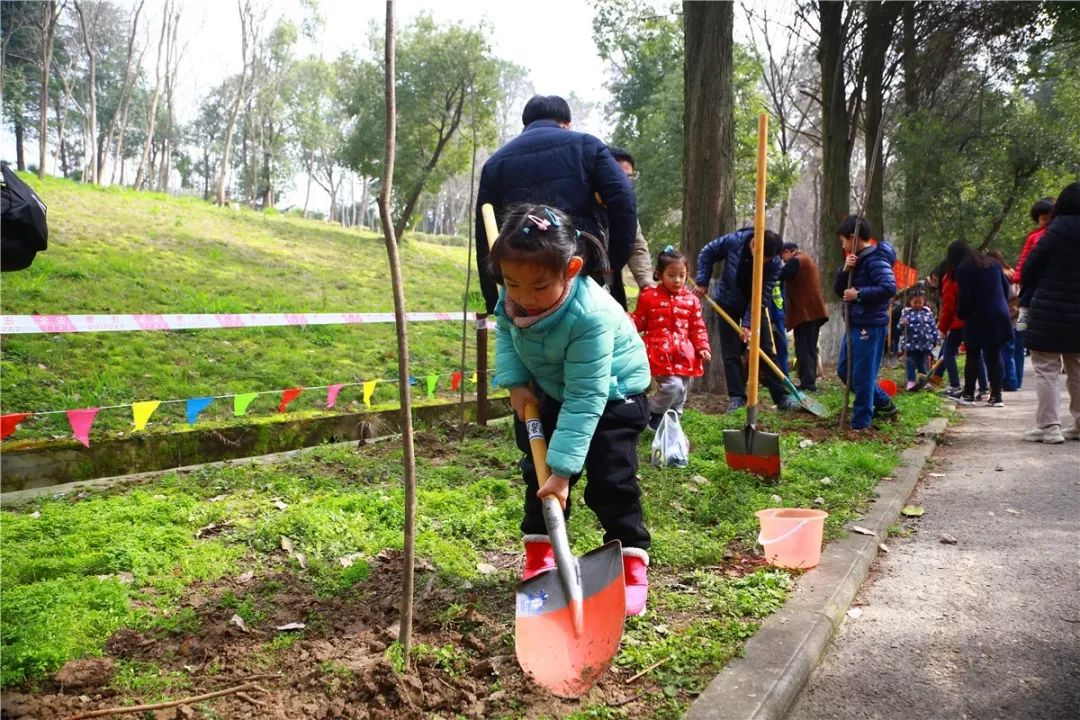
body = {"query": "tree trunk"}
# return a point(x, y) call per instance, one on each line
point(119, 117)
point(20, 158)
point(835, 159)
point(785, 203)
point(151, 117)
point(47, 31)
point(307, 193)
point(877, 35)
point(418, 188)
point(91, 103)
point(911, 106)
point(61, 124)
point(405, 631)
point(709, 145)
point(223, 172)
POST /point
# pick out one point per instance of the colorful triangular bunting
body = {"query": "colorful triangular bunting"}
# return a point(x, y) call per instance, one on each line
point(81, 421)
point(196, 406)
point(9, 422)
point(287, 397)
point(432, 380)
point(332, 393)
point(141, 412)
point(241, 402)
point(369, 389)
point(455, 380)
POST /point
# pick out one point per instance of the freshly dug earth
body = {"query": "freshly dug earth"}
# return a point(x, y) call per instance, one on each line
point(339, 665)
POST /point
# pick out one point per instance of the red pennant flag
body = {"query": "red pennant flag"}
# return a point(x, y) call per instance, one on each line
point(332, 393)
point(455, 380)
point(8, 423)
point(287, 397)
point(906, 276)
point(81, 421)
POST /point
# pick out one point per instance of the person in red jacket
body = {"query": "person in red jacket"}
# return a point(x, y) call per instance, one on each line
point(952, 329)
point(676, 339)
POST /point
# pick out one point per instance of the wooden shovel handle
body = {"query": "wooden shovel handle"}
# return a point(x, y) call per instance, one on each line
point(491, 227)
point(759, 262)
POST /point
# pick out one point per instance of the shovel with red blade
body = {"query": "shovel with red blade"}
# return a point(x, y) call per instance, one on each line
point(569, 621)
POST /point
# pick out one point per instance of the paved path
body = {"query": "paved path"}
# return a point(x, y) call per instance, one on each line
point(989, 627)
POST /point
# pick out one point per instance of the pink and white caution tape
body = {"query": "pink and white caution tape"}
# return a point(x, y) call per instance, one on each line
point(37, 324)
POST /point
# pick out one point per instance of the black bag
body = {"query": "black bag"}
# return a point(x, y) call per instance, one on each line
point(24, 231)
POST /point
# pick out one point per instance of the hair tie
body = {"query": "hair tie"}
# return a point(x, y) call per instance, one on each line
point(669, 249)
point(554, 218)
point(541, 223)
point(577, 234)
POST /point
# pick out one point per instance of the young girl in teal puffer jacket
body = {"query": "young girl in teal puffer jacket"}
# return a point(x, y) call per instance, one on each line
point(565, 344)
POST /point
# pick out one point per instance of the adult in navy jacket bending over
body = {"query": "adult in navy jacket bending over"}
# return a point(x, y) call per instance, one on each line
point(549, 164)
point(733, 293)
point(872, 286)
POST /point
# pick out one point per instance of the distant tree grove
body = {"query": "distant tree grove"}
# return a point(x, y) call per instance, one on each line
point(944, 120)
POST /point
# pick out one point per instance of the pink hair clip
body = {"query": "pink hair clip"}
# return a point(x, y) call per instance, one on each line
point(541, 224)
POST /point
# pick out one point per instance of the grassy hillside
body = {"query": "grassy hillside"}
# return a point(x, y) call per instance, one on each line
point(118, 251)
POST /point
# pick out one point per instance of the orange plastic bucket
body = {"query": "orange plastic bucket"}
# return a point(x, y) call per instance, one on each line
point(791, 537)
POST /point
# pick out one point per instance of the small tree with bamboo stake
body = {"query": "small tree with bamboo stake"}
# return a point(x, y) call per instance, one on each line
point(405, 633)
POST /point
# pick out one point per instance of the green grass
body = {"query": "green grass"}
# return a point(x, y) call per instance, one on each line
point(118, 251)
point(88, 565)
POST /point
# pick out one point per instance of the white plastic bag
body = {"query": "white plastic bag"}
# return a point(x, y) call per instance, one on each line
point(670, 448)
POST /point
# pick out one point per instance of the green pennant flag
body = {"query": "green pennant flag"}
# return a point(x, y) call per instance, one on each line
point(431, 381)
point(241, 402)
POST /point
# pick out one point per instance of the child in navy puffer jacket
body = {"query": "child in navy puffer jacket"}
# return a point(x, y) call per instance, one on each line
point(873, 285)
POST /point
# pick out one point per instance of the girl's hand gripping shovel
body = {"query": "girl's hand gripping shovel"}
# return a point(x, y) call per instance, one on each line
point(569, 621)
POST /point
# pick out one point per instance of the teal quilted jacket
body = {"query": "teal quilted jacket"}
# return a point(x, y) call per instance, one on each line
point(584, 354)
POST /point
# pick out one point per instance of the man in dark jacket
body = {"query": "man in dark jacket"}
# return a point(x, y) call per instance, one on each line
point(550, 164)
point(805, 310)
point(733, 295)
point(872, 286)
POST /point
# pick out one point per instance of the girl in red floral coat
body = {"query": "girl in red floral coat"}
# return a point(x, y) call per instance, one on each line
point(669, 315)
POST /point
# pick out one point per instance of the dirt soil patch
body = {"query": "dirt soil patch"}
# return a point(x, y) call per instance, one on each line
point(339, 665)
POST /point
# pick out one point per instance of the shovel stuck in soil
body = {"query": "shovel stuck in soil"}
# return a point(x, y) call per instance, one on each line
point(569, 621)
point(750, 449)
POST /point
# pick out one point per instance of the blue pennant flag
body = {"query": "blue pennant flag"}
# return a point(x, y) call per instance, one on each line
point(196, 406)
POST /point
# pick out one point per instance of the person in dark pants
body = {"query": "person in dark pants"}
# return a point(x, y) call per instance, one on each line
point(805, 311)
point(982, 292)
point(872, 286)
point(565, 346)
point(733, 295)
point(549, 164)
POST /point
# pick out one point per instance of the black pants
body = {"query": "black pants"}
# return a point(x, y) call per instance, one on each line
point(991, 354)
point(612, 490)
point(733, 348)
point(806, 353)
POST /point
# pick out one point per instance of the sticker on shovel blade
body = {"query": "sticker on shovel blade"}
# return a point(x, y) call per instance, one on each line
point(535, 429)
point(533, 603)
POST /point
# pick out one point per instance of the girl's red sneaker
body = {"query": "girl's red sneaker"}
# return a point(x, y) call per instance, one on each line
point(539, 557)
point(635, 572)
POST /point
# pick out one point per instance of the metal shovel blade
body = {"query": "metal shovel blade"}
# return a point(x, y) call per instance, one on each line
point(754, 451)
point(563, 655)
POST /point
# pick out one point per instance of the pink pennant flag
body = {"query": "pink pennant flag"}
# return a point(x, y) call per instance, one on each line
point(331, 394)
point(287, 397)
point(81, 421)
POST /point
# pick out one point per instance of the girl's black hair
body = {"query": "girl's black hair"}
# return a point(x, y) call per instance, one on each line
point(853, 225)
point(959, 253)
point(1042, 207)
point(542, 235)
point(667, 256)
point(1068, 202)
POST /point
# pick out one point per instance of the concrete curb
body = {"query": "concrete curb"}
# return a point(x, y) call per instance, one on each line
point(778, 660)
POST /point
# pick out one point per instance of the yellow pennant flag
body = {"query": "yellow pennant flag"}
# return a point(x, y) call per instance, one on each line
point(369, 389)
point(142, 411)
point(473, 378)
